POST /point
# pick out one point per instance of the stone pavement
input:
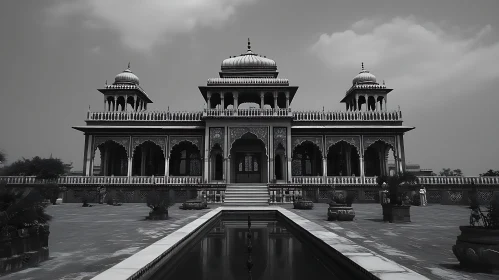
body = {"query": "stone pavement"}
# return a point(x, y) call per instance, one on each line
point(86, 241)
point(425, 245)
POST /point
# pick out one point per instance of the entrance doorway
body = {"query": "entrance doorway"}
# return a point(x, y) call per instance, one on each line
point(248, 167)
point(248, 160)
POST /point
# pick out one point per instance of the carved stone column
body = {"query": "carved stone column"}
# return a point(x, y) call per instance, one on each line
point(376, 102)
point(287, 99)
point(207, 148)
point(324, 168)
point(208, 100)
point(384, 99)
point(129, 170)
point(105, 104)
point(275, 99)
point(236, 103)
point(262, 101)
point(348, 160)
point(106, 161)
point(167, 166)
point(143, 162)
point(271, 156)
point(402, 152)
point(289, 154)
point(87, 156)
point(362, 172)
point(226, 156)
point(222, 100)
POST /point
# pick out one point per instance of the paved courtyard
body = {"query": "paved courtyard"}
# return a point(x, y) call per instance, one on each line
point(425, 245)
point(86, 241)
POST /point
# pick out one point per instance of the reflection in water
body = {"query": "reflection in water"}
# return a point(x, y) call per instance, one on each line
point(223, 254)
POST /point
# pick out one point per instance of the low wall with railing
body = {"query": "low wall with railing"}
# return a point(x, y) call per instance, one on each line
point(298, 116)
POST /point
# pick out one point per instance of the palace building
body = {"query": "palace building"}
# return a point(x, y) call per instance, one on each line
point(256, 146)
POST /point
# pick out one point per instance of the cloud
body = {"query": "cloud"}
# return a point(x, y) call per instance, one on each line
point(412, 55)
point(95, 50)
point(143, 24)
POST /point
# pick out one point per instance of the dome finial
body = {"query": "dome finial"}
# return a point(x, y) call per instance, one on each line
point(106, 82)
point(249, 45)
point(129, 65)
point(362, 66)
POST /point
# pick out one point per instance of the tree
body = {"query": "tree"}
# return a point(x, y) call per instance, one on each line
point(491, 173)
point(47, 168)
point(449, 172)
point(3, 157)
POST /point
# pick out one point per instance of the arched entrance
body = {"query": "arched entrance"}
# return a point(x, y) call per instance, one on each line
point(343, 160)
point(307, 160)
point(279, 162)
point(185, 160)
point(217, 163)
point(148, 160)
point(114, 160)
point(376, 158)
point(248, 160)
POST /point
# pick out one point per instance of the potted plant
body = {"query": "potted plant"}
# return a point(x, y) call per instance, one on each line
point(24, 229)
point(396, 208)
point(477, 246)
point(299, 203)
point(195, 204)
point(338, 206)
point(158, 201)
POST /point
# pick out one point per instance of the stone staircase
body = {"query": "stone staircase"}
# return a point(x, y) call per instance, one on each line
point(246, 195)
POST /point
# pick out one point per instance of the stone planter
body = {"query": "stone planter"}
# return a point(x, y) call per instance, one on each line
point(27, 247)
point(158, 215)
point(340, 212)
point(396, 213)
point(194, 204)
point(303, 204)
point(478, 248)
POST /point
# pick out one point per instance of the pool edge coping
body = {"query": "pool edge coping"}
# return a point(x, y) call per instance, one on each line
point(374, 263)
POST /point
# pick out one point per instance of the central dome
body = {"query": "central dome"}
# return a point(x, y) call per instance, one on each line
point(249, 60)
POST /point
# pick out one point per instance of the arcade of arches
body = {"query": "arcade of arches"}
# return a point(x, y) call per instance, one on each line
point(149, 159)
point(247, 161)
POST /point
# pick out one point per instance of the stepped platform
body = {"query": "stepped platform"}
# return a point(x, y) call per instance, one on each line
point(246, 195)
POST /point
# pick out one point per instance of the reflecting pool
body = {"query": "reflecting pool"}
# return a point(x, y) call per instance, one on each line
point(222, 253)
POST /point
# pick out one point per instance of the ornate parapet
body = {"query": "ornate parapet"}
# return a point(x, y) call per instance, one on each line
point(247, 113)
point(146, 116)
point(345, 116)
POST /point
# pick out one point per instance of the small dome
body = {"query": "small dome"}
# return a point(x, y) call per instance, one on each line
point(126, 77)
point(364, 77)
point(249, 60)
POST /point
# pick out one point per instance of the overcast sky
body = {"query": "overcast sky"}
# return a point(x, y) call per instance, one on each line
point(441, 57)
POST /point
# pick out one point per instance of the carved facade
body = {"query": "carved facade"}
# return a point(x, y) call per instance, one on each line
point(229, 143)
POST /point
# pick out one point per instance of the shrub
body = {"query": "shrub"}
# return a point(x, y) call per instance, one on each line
point(398, 186)
point(158, 201)
point(21, 208)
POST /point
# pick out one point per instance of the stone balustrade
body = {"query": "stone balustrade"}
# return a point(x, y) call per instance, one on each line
point(458, 180)
point(105, 180)
point(299, 116)
point(145, 116)
point(308, 116)
point(253, 112)
point(189, 180)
